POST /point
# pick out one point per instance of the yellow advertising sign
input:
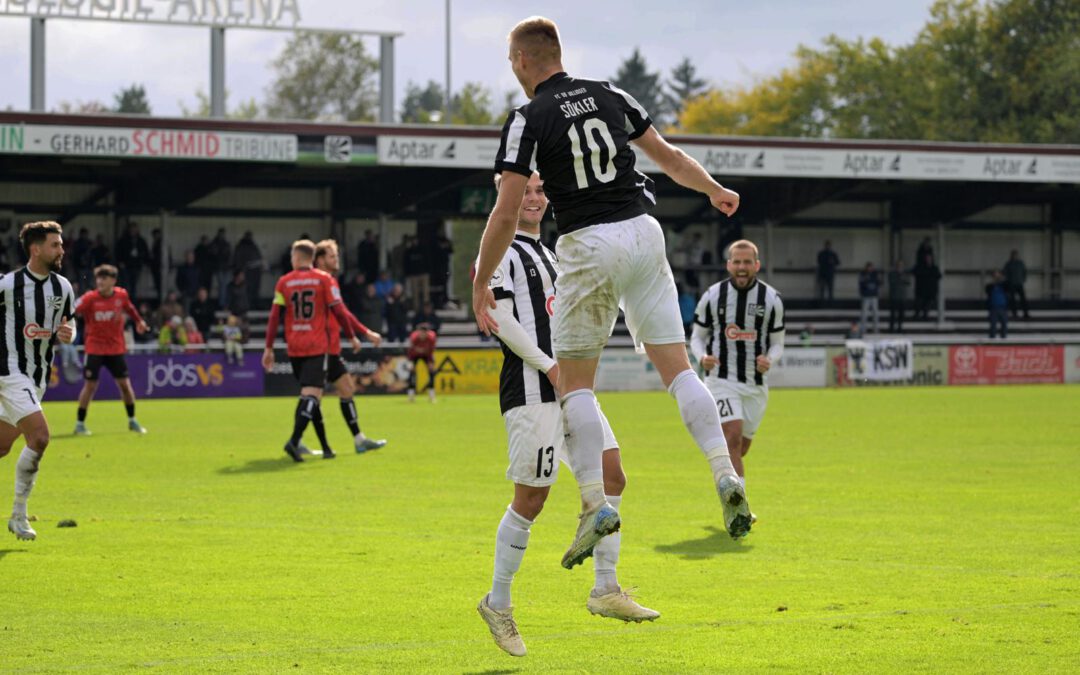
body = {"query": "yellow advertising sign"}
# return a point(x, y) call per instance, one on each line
point(467, 371)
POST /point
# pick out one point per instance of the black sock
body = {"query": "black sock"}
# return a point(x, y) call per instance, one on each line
point(348, 411)
point(320, 428)
point(82, 414)
point(304, 412)
point(130, 407)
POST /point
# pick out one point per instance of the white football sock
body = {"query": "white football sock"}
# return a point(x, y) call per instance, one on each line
point(702, 420)
point(742, 482)
point(25, 474)
point(606, 557)
point(585, 443)
point(511, 540)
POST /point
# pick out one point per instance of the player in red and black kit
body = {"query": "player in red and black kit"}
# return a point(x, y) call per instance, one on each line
point(306, 297)
point(104, 312)
point(327, 260)
point(422, 348)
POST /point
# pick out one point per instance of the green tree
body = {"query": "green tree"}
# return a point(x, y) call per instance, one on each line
point(247, 110)
point(634, 78)
point(132, 100)
point(472, 105)
point(82, 108)
point(421, 102)
point(683, 85)
point(324, 76)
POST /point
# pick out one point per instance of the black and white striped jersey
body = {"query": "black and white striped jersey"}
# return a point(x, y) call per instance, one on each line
point(738, 326)
point(527, 276)
point(577, 134)
point(31, 310)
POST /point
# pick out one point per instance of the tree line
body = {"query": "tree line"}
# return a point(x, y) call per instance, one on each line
point(997, 71)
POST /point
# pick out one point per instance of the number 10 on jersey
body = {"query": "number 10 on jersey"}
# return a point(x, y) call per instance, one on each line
point(596, 133)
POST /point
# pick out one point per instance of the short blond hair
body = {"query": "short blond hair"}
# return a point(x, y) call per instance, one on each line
point(538, 38)
point(743, 243)
point(304, 247)
point(324, 247)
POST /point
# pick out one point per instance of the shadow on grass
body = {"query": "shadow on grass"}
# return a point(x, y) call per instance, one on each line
point(259, 466)
point(716, 542)
point(5, 551)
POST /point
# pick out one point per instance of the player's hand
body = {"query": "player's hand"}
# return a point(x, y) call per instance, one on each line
point(141, 327)
point(553, 376)
point(355, 344)
point(763, 364)
point(483, 300)
point(374, 337)
point(709, 362)
point(268, 359)
point(725, 200)
point(65, 333)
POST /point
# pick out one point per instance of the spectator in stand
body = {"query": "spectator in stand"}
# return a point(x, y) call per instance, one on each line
point(997, 304)
point(925, 249)
point(827, 262)
point(205, 263)
point(157, 257)
point(397, 315)
point(187, 278)
point(422, 348)
point(173, 338)
point(195, 337)
point(417, 279)
point(869, 288)
point(397, 260)
point(854, 332)
point(100, 254)
point(352, 293)
point(367, 255)
point(427, 315)
point(152, 321)
point(806, 337)
point(238, 295)
point(248, 258)
point(687, 308)
point(203, 310)
point(441, 253)
point(898, 283)
point(1015, 274)
point(233, 336)
point(132, 255)
point(927, 280)
point(222, 251)
point(384, 285)
point(84, 259)
point(373, 311)
point(169, 308)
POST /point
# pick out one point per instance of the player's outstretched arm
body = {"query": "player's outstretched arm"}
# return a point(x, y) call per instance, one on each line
point(685, 170)
point(498, 235)
point(514, 336)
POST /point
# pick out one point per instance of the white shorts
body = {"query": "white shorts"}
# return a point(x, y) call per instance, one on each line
point(739, 401)
point(19, 398)
point(537, 443)
point(608, 266)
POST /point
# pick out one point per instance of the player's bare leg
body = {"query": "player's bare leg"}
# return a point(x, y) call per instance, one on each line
point(85, 397)
point(127, 393)
point(584, 449)
point(702, 420)
point(346, 389)
point(35, 430)
point(607, 598)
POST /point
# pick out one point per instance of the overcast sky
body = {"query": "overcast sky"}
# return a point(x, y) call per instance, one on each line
point(730, 42)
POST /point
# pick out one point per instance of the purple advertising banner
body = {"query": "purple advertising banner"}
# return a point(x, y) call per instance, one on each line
point(167, 376)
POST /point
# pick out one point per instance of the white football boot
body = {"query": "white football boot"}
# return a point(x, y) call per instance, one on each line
point(501, 624)
point(736, 509)
point(620, 604)
point(596, 523)
point(20, 527)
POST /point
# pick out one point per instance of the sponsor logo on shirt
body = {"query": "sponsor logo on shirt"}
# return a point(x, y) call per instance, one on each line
point(32, 331)
point(733, 332)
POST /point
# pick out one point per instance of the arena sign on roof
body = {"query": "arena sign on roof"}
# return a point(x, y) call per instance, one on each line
point(789, 159)
point(146, 143)
point(187, 12)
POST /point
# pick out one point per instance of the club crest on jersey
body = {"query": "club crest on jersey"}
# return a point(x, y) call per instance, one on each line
point(32, 331)
point(496, 279)
point(755, 309)
point(55, 301)
point(733, 332)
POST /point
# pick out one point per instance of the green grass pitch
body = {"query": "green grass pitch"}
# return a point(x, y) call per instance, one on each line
point(901, 530)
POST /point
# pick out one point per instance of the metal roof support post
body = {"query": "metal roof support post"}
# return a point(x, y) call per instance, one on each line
point(386, 79)
point(37, 64)
point(217, 72)
point(384, 258)
point(940, 260)
point(770, 255)
point(163, 217)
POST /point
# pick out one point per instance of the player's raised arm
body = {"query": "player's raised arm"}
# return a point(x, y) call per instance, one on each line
point(685, 170)
point(498, 235)
point(514, 336)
